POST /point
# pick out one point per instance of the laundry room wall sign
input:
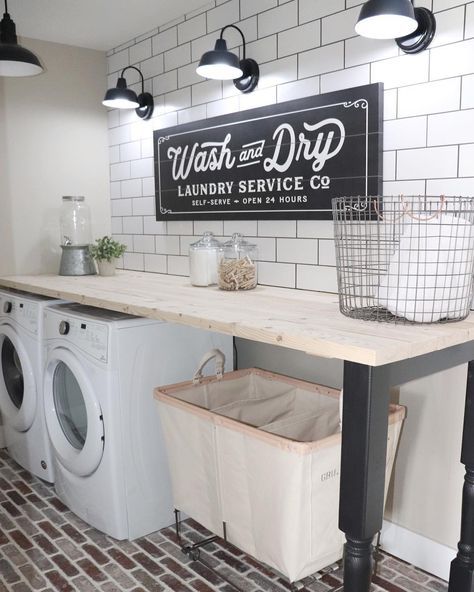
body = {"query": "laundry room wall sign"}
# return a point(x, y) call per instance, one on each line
point(284, 161)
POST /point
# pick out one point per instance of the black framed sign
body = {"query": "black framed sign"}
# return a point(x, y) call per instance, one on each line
point(284, 161)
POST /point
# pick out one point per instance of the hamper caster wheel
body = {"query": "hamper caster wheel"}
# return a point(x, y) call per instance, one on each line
point(193, 554)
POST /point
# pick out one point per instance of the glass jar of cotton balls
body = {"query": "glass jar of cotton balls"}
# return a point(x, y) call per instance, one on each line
point(204, 260)
point(238, 264)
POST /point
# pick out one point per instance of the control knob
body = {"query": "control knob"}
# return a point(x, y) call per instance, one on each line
point(64, 328)
point(7, 307)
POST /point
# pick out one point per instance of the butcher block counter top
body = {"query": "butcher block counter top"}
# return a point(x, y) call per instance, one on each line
point(300, 320)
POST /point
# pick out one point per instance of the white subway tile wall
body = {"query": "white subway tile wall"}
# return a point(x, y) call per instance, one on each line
point(304, 47)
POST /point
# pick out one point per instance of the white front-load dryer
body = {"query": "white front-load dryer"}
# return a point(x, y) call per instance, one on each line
point(21, 381)
point(108, 451)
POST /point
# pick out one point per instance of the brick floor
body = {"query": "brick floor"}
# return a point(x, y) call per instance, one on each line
point(45, 548)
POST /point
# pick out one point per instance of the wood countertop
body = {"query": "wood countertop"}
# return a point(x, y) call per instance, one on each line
point(300, 320)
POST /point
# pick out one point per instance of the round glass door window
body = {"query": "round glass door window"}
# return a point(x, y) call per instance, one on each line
point(12, 372)
point(70, 406)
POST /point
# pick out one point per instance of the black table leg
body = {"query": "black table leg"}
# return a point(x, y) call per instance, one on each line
point(364, 451)
point(462, 568)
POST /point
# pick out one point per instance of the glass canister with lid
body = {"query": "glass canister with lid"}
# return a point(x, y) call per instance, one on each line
point(75, 221)
point(204, 260)
point(238, 264)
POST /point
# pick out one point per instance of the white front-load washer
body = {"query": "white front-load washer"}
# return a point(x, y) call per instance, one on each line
point(109, 456)
point(21, 381)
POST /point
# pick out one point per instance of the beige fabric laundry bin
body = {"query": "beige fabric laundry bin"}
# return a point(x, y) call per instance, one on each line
point(261, 453)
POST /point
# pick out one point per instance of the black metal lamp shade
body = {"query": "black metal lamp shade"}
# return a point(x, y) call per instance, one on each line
point(412, 28)
point(386, 19)
point(15, 60)
point(222, 64)
point(122, 97)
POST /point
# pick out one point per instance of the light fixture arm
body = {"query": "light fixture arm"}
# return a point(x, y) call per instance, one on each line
point(7, 28)
point(240, 31)
point(137, 70)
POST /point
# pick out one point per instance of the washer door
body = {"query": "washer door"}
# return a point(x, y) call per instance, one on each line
point(18, 395)
point(73, 414)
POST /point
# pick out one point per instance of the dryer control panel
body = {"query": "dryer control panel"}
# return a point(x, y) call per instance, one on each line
point(90, 337)
point(21, 312)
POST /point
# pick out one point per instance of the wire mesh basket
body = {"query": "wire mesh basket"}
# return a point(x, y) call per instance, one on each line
point(405, 259)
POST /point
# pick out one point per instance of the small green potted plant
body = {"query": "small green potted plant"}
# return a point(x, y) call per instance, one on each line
point(106, 251)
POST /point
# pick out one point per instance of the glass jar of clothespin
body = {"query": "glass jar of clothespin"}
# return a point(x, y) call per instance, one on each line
point(238, 265)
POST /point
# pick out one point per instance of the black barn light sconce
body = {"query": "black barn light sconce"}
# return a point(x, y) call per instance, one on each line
point(122, 97)
point(222, 64)
point(15, 60)
point(412, 28)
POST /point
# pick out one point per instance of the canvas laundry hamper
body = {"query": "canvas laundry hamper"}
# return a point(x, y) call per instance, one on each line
point(261, 453)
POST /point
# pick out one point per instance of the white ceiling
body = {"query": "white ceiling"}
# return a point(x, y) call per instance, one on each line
point(97, 24)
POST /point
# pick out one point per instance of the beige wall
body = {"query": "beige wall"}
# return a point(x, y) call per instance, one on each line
point(53, 142)
point(426, 487)
point(428, 478)
point(7, 262)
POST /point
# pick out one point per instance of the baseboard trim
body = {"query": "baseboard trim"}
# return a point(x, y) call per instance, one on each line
point(420, 551)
